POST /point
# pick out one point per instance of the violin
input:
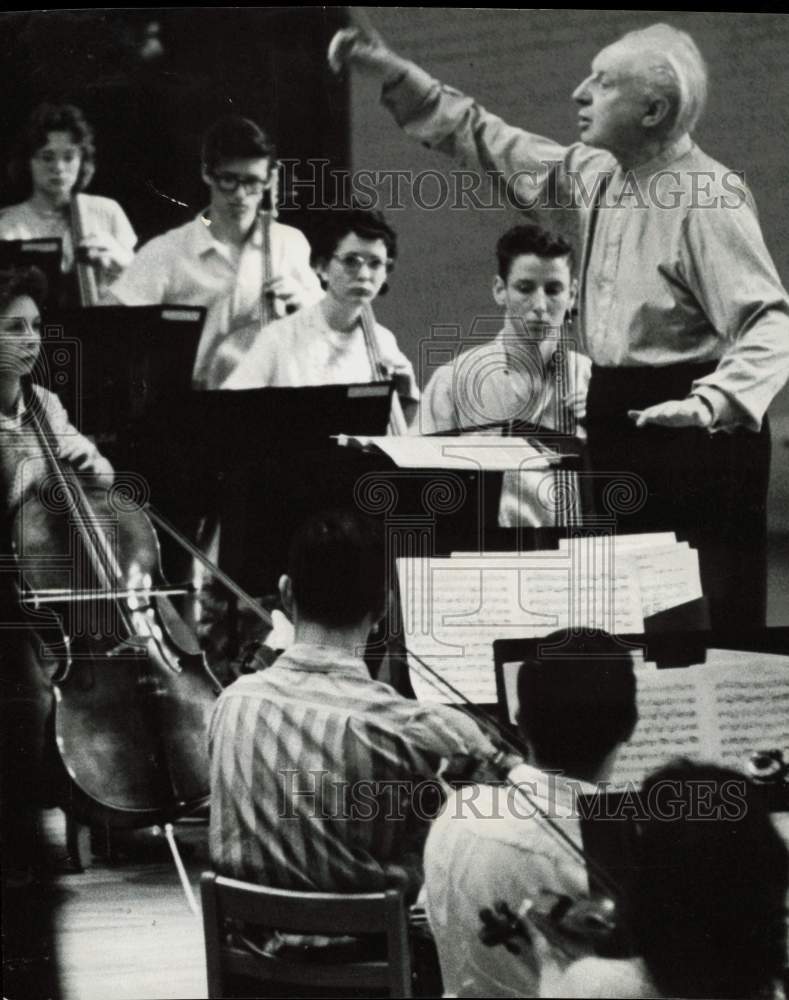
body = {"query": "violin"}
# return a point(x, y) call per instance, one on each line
point(574, 927)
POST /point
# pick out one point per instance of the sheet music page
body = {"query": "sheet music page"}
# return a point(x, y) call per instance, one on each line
point(752, 705)
point(719, 711)
point(675, 718)
point(491, 454)
point(668, 576)
point(668, 571)
point(453, 610)
point(648, 539)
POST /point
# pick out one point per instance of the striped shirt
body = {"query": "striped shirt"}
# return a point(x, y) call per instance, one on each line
point(322, 779)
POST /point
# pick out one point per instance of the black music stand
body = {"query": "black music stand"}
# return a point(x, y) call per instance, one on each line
point(272, 452)
point(45, 254)
point(120, 371)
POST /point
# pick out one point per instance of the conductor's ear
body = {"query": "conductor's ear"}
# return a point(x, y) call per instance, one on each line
point(657, 112)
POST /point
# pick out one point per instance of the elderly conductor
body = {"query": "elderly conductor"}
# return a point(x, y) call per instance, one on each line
point(682, 312)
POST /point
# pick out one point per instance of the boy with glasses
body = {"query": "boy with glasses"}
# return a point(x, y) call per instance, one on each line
point(352, 252)
point(217, 259)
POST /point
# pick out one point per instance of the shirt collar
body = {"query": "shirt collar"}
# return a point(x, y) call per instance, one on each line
point(508, 343)
point(552, 787)
point(681, 147)
point(313, 658)
point(202, 242)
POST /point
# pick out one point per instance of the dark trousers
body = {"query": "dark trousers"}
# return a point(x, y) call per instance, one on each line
point(709, 488)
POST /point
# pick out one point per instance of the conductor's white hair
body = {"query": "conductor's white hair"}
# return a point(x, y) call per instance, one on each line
point(674, 69)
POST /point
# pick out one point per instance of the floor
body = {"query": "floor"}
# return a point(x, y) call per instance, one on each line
point(122, 932)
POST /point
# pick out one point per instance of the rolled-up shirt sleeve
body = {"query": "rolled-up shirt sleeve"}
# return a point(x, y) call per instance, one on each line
point(440, 731)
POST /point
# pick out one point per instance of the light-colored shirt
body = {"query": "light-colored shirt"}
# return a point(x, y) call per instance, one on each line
point(487, 846)
point(22, 462)
point(316, 770)
point(302, 349)
point(100, 217)
point(500, 381)
point(187, 266)
point(606, 978)
point(676, 271)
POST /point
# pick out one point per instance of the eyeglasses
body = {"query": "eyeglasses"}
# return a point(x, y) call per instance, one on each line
point(228, 182)
point(354, 262)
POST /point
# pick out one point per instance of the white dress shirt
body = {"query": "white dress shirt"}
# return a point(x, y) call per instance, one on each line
point(187, 266)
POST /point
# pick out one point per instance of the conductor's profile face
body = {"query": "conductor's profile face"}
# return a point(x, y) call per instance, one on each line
point(237, 188)
point(54, 167)
point(20, 337)
point(613, 100)
point(537, 293)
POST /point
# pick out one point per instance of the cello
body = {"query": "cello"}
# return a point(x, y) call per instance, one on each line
point(132, 691)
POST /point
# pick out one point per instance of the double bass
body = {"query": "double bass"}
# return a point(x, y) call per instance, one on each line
point(132, 691)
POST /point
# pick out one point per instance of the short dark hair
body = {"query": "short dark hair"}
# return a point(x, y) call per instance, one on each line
point(578, 701)
point(529, 238)
point(48, 118)
point(335, 225)
point(337, 567)
point(235, 138)
point(708, 900)
point(22, 281)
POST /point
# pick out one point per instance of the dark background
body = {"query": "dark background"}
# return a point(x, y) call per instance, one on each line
point(151, 82)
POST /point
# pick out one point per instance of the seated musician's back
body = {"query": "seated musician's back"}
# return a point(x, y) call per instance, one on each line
point(318, 771)
point(489, 845)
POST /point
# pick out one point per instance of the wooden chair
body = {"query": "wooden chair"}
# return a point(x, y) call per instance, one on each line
point(381, 913)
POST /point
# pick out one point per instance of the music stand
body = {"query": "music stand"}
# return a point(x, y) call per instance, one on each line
point(119, 370)
point(276, 462)
point(45, 254)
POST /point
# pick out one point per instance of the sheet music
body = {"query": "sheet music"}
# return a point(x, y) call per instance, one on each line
point(668, 570)
point(650, 539)
point(463, 453)
point(674, 719)
point(453, 610)
point(668, 576)
point(719, 711)
point(753, 711)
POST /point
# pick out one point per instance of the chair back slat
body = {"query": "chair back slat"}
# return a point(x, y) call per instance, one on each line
point(303, 913)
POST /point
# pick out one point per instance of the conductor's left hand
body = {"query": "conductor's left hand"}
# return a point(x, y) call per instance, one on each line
point(690, 412)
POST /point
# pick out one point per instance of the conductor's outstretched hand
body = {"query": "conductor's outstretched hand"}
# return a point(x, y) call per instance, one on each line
point(365, 49)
